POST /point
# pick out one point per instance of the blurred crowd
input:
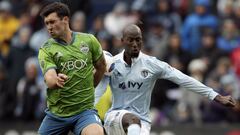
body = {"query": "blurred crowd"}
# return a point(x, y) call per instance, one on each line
point(201, 38)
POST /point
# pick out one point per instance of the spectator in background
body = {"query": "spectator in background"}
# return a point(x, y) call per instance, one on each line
point(19, 6)
point(38, 38)
point(117, 45)
point(99, 31)
point(175, 53)
point(230, 86)
point(24, 19)
point(163, 12)
point(117, 19)
point(78, 21)
point(4, 93)
point(225, 9)
point(84, 5)
point(191, 31)
point(192, 101)
point(156, 39)
point(229, 38)
point(236, 8)
point(8, 26)
point(182, 7)
point(28, 92)
point(104, 40)
point(197, 68)
point(97, 28)
point(137, 11)
point(235, 59)
point(139, 5)
point(34, 9)
point(208, 51)
point(19, 53)
point(223, 67)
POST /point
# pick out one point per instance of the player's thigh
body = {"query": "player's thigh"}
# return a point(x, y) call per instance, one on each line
point(53, 126)
point(93, 129)
point(113, 122)
point(87, 121)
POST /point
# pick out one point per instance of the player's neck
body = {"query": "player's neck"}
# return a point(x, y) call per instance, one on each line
point(127, 58)
point(67, 37)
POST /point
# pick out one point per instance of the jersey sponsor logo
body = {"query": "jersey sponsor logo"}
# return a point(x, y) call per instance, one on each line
point(74, 64)
point(84, 48)
point(144, 73)
point(130, 84)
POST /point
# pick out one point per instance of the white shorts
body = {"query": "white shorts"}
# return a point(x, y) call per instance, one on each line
point(113, 123)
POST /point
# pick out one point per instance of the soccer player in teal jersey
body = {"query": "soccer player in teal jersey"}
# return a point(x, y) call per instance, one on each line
point(67, 61)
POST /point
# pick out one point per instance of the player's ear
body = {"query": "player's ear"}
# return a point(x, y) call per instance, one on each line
point(66, 19)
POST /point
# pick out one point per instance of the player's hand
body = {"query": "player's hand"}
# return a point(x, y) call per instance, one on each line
point(61, 79)
point(227, 101)
point(237, 106)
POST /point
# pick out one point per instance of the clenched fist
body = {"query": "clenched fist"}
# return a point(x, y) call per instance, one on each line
point(61, 79)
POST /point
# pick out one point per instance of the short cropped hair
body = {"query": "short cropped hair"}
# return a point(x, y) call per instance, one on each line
point(61, 9)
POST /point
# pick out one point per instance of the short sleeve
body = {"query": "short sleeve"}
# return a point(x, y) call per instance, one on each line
point(96, 49)
point(45, 60)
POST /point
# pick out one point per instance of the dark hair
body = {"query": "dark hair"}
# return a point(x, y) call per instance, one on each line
point(58, 7)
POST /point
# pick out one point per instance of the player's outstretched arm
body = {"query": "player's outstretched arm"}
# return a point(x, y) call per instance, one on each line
point(54, 80)
point(100, 67)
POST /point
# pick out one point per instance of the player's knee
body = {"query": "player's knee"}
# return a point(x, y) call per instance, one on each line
point(93, 129)
point(129, 119)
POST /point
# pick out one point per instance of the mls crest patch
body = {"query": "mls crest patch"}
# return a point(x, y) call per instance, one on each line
point(144, 73)
point(84, 48)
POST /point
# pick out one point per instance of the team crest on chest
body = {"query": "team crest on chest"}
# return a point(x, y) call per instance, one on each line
point(144, 73)
point(84, 48)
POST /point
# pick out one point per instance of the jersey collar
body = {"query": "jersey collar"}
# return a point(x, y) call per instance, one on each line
point(134, 60)
point(62, 42)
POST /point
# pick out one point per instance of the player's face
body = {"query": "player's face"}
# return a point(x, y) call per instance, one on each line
point(133, 43)
point(55, 25)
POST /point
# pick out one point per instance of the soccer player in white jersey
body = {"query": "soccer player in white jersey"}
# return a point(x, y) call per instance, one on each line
point(132, 82)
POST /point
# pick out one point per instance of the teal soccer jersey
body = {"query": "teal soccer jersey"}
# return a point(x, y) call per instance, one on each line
point(76, 61)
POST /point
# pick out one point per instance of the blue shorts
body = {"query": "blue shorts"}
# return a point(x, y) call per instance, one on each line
point(54, 125)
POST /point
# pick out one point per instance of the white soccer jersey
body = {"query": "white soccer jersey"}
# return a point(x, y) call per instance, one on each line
point(132, 85)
